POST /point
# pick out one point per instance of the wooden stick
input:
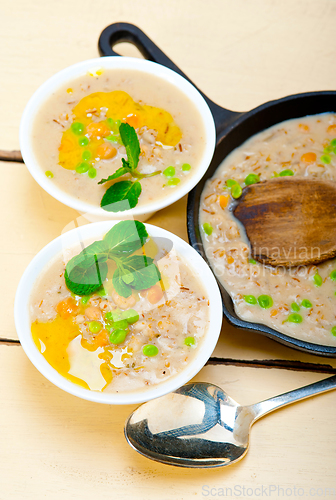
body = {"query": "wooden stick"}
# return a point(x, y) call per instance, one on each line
point(11, 156)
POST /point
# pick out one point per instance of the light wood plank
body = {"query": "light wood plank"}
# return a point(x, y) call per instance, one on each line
point(55, 444)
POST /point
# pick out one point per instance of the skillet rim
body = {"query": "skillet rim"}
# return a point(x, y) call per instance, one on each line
point(193, 227)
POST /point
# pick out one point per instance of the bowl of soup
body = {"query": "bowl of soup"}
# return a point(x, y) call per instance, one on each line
point(72, 138)
point(118, 312)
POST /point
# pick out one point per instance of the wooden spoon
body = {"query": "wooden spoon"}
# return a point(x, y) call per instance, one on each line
point(289, 221)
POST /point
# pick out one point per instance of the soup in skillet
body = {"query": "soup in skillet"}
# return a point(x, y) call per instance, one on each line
point(301, 301)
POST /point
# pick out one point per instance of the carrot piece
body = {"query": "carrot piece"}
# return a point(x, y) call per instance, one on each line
point(303, 127)
point(133, 120)
point(230, 260)
point(102, 339)
point(308, 157)
point(97, 130)
point(274, 312)
point(67, 308)
point(331, 129)
point(223, 201)
point(105, 151)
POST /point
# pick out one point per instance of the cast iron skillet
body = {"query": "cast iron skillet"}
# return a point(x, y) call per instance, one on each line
point(232, 130)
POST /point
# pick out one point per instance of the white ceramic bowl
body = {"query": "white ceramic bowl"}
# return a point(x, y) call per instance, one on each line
point(72, 72)
point(96, 231)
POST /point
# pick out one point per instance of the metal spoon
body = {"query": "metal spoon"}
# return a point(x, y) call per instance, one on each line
point(199, 425)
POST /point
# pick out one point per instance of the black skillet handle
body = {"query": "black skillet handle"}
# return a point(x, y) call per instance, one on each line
point(124, 32)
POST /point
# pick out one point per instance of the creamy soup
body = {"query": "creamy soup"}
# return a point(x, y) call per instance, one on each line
point(300, 301)
point(106, 342)
point(77, 142)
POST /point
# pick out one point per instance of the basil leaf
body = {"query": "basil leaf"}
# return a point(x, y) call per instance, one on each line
point(131, 142)
point(121, 196)
point(118, 173)
point(84, 279)
point(125, 237)
point(145, 272)
point(120, 286)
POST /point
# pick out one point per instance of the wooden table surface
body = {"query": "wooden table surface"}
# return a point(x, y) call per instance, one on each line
point(54, 445)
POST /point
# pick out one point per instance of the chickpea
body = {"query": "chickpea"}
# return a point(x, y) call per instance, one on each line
point(122, 302)
point(93, 313)
point(80, 319)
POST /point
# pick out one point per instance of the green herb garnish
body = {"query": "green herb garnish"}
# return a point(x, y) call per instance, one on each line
point(124, 195)
point(86, 272)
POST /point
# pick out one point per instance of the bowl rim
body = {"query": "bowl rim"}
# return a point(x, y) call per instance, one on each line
point(23, 324)
point(59, 79)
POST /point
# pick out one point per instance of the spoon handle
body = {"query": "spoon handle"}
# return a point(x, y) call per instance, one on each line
point(268, 405)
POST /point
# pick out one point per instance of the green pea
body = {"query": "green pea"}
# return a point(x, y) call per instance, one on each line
point(295, 307)
point(77, 128)
point(189, 341)
point(252, 179)
point(250, 299)
point(317, 280)
point(174, 181)
point(95, 326)
point(294, 318)
point(127, 277)
point(207, 228)
point(252, 261)
point(150, 350)
point(109, 316)
point(285, 173)
point(333, 143)
point(113, 138)
point(169, 172)
point(86, 155)
point(49, 174)
point(265, 301)
point(334, 150)
point(236, 191)
point(92, 173)
point(110, 123)
point(231, 182)
point(131, 316)
point(186, 167)
point(333, 275)
point(83, 141)
point(333, 331)
point(328, 149)
point(117, 123)
point(118, 336)
point(85, 299)
point(122, 324)
point(306, 303)
point(82, 168)
point(325, 159)
point(109, 325)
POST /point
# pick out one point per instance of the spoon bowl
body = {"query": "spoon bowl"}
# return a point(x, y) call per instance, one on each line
point(200, 426)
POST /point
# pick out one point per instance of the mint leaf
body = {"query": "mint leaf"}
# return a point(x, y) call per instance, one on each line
point(145, 272)
point(99, 249)
point(120, 286)
point(131, 142)
point(121, 196)
point(125, 237)
point(84, 276)
point(118, 173)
